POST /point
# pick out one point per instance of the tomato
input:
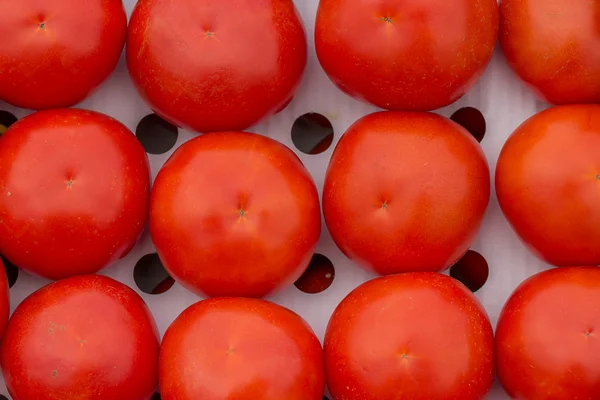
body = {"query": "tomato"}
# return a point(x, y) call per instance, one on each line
point(406, 54)
point(87, 337)
point(217, 65)
point(240, 349)
point(74, 192)
point(55, 52)
point(405, 192)
point(547, 182)
point(4, 299)
point(235, 214)
point(554, 46)
point(547, 336)
point(413, 336)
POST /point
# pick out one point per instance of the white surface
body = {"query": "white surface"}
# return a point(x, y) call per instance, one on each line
point(502, 99)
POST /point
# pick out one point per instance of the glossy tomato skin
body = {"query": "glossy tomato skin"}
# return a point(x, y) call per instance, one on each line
point(235, 214)
point(56, 52)
point(74, 192)
point(216, 66)
point(554, 46)
point(547, 180)
point(4, 299)
point(87, 337)
point(405, 54)
point(242, 349)
point(546, 341)
point(413, 336)
point(405, 191)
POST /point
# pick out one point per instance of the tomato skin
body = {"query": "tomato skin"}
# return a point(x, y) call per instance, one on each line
point(546, 339)
point(554, 46)
point(60, 63)
point(240, 349)
point(552, 206)
point(74, 192)
point(87, 337)
point(235, 214)
point(405, 54)
point(4, 299)
point(405, 191)
point(216, 66)
point(413, 336)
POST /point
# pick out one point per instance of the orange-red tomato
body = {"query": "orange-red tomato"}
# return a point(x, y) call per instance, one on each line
point(547, 343)
point(216, 65)
point(240, 349)
point(548, 184)
point(406, 54)
point(405, 192)
point(74, 192)
point(55, 52)
point(554, 46)
point(235, 214)
point(86, 337)
point(413, 336)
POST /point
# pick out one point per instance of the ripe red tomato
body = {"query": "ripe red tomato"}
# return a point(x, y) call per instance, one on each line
point(74, 192)
point(413, 336)
point(547, 336)
point(547, 182)
point(406, 55)
point(87, 337)
point(405, 192)
point(218, 65)
point(554, 46)
point(55, 52)
point(240, 349)
point(235, 214)
point(4, 299)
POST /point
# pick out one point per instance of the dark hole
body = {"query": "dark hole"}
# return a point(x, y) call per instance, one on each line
point(318, 276)
point(312, 133)
point(325, 398)
point(156, 135)
point(472, 120)
point(6, 120)
point(150, 275)
point(12, 272)
point(156, 396)
point(472, 270)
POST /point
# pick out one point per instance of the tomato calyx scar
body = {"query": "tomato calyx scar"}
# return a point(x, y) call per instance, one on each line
point(387, 19)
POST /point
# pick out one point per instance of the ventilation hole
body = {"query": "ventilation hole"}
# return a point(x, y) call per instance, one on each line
point(6, 120)
point(284, 106)
point(150, 276)
point(156, 396)
point(472, 270)
point(156, 135)
point(312, 133)
point(318, 276)
point(472, 120)
point(325, 398)
point(3, 397)
point(12, 272)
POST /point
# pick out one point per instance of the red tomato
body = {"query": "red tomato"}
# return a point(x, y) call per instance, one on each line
point(55, 52)
point(554, 46)
point(406, 54)
point(74, 192)
point(4, 299)
point(235, 214)
point(87, 337)
point(414, 336)
point(216, 65)
point(547, 336)
point(547, 182)
point(405, 192)
point(240, 349)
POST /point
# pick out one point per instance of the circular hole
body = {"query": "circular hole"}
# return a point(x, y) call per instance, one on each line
point(156, 396)
point(472, 120)
point(156, 135)
point(3, 397)
point(472, 270)
point(6, 120)
point(150, 276)
point(312, 133)
point(318, 276)
point(12, 272)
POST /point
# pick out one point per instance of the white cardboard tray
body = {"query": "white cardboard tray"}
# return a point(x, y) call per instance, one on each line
point(504, 101)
